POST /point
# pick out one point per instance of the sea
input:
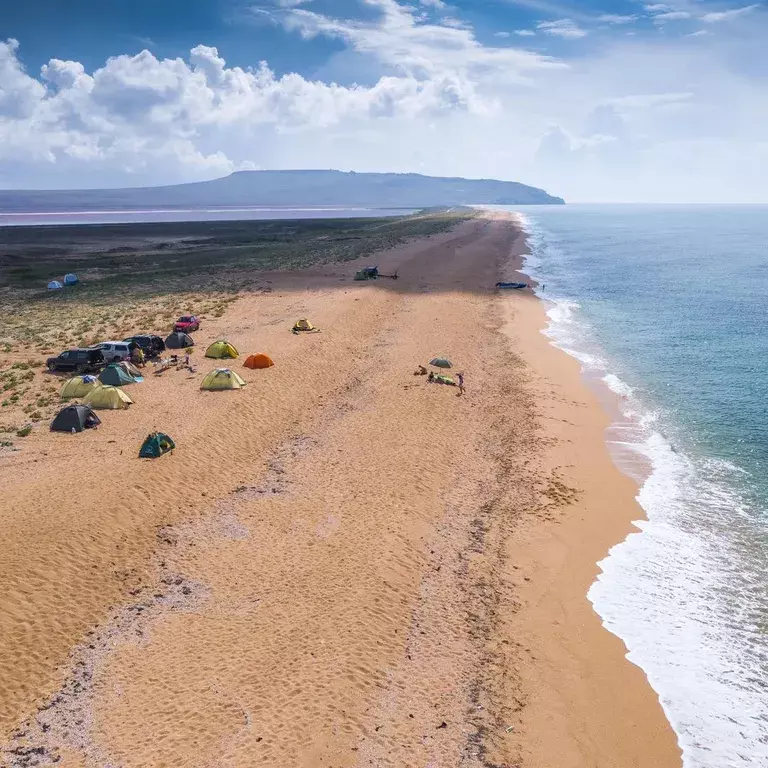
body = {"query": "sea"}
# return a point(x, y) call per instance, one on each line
point(247, 213)
point(666, 307)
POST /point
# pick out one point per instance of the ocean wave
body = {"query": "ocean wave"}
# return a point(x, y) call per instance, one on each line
point(686, 591)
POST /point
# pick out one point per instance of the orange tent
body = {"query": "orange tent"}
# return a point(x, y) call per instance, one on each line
point(258, 361)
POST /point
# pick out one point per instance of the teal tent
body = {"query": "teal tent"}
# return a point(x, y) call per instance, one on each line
point(70, 279)
point(115, 376)
point(156, 445)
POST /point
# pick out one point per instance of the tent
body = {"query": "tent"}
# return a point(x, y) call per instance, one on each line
point(222, 350)
point(74, 418)
point(258, 361)
point(55, 285)
point(222, 378)
point(156, 445)
point(115, 376)
point(179, 340)
point(130, 369)
point(70, 279)
point(108, 398)
point(303, 325)
point(79, 386)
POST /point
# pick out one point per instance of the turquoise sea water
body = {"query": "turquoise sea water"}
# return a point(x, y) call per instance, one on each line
point(668, 306)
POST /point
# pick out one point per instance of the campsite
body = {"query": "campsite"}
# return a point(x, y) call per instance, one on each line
point(216, 523)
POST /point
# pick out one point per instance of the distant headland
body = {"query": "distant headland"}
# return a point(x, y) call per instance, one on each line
point(288, 188)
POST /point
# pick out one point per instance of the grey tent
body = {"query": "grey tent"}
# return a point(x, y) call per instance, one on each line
point(74, 417)
point(179, 340)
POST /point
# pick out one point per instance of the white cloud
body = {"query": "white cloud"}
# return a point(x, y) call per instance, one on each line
point(501, 34)
point(716, 16)
point(658, 8)
point(671, 16)
point(649, 100)
point(615, 18)
point(440, 4)
point(626, 119)
point(562, 28)
point(699, 33)
point(524, 32)
point(399, 40)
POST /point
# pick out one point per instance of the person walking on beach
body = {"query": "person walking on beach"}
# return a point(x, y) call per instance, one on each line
point(460, 380)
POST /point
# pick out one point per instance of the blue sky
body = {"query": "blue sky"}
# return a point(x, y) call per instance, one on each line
point(592, 100)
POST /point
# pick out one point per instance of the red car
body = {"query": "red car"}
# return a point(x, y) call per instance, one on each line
point(187, 323)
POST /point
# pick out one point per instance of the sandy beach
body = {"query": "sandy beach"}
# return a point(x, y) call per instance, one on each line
point(341, 564)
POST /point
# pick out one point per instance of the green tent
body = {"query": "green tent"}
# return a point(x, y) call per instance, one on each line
point(115, 376)
point(156, 445)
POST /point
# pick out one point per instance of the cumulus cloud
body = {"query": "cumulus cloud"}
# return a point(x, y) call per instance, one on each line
point(626, 119)
point(562, 28)
point(524, 32)
point(716, 16)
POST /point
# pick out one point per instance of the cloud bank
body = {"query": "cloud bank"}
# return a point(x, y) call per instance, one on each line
point(628, 119)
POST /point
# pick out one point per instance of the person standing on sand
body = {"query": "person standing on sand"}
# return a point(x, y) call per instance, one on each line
point(460, 380)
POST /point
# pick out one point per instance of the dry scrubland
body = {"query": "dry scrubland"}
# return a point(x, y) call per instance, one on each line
point(138, 278)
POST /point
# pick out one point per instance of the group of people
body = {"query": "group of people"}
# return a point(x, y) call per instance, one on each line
point(433, 377)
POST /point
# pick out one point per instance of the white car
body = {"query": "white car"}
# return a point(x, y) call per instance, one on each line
point(114, 351)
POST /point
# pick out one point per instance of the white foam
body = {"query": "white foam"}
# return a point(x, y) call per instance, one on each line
point(685, 593)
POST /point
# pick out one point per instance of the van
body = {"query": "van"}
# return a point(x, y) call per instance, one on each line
point(114, 351)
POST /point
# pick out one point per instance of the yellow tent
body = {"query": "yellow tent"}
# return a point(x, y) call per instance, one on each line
point(108, 398)
point(79, 386)
point(222, 378)
point(221, 350)
point(303, 325)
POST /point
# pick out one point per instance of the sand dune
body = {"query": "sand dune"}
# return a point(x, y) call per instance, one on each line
point(331, 568)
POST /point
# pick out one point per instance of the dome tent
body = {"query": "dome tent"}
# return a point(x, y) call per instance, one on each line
point(304, 325)
point(179, 340)
point(71, 279)
point(222, 378)
point(74, 418)
point(222, 349)
point(130, 369)
point(258, 361)
point(79, 386)
point(115, 376)
point(155, 445)
point(108, 398)
point(55, 285)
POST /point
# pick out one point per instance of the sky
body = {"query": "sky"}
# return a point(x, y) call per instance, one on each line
point(596, 100)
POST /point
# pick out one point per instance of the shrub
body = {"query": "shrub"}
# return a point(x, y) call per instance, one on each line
point(24, 431)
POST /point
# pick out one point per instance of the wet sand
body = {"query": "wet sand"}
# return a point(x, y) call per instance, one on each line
point(341, 564)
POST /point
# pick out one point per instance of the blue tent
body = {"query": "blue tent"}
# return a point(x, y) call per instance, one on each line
point(54, 285)
point(70, 279)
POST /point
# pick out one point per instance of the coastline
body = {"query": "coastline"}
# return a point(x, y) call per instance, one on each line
point(401, 572)
point(577, 663)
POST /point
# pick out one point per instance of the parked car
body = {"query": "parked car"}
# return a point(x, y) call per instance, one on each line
point(114, 351)
point(81, 360)
point(187, 324)
point(151, 344)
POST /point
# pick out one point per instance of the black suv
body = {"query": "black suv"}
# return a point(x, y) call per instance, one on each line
point(78, 360)
point(151, 344)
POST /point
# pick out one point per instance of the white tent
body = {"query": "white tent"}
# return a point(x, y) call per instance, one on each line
point(54, 285)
